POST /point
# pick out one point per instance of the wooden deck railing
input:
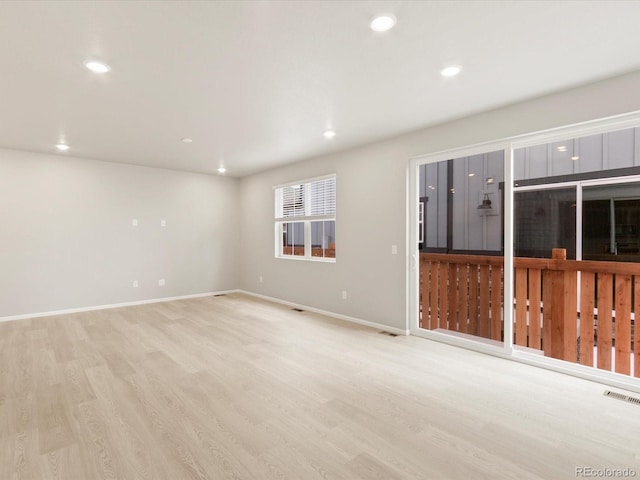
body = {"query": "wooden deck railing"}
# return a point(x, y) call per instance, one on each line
point(464, 293)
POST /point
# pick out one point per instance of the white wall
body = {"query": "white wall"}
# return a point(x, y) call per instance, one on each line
point(66, 238)
point(371, 202)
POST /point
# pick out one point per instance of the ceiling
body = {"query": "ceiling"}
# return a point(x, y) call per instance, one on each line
point(255, 84)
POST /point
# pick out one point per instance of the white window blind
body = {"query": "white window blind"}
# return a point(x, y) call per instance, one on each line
point(292, 201)
point(311, 199)
point(323, 197)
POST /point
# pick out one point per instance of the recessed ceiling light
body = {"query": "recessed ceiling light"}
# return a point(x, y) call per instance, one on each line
point(221, 169)
point(472, 174)
point(329, 134)
point(62, 147)
point(383, 23)
point(562, 148)
point(187, 140)
point(97, 67)
point(576, 157)
point(451, 71)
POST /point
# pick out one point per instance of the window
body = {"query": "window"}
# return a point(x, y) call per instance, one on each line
point(611, 222)
point(305, 219)
point(545, 219)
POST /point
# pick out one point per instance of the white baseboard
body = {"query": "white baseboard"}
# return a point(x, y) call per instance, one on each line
point(346, 318)
point(378, 326)
point(112, 305)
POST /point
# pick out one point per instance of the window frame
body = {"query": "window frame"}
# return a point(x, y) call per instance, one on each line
point(307, 219)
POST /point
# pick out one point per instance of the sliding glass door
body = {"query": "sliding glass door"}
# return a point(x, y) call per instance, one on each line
point(531, 249)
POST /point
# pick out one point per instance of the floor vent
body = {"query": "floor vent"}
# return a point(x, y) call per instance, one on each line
point(388, 334)
point(297, 310)
point(619, 396)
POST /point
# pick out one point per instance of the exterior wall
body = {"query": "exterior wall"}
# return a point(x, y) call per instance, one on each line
point(469, 229)
point(433, 185)
point(605, 151)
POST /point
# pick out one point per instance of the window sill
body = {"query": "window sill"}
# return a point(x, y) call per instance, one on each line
point(305, 259)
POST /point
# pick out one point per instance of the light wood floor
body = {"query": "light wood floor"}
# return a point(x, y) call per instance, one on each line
point(237, 388)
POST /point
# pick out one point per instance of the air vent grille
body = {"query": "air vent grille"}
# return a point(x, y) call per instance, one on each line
point(620, 396)
point(388, 334)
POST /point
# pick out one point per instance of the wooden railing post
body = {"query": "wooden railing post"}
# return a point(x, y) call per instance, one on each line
point(564, 309)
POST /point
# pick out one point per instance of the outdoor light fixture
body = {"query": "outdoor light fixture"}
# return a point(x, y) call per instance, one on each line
point(487, 207)
point(486, 203)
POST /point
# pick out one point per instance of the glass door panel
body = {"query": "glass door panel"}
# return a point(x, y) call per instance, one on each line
point(461, 246)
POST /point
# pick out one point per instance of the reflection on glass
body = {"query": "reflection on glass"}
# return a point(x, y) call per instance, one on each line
point(611, 222)
point(544, 220)
point(323, 239)
point(293, 238)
